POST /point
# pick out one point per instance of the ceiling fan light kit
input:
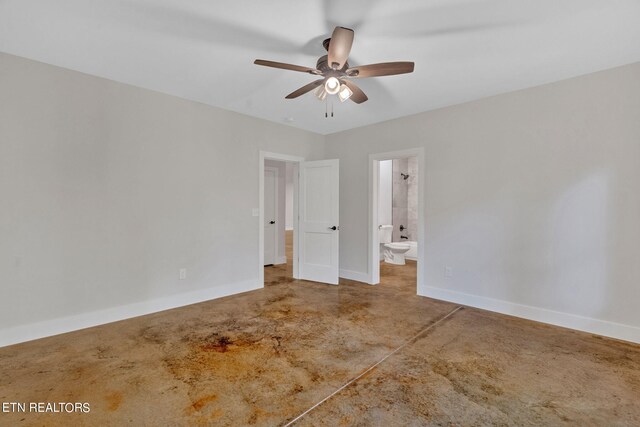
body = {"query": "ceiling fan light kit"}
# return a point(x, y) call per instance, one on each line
point(332, 85)
point(336, 71)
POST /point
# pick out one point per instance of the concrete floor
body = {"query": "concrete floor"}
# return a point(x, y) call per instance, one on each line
point(382, 355)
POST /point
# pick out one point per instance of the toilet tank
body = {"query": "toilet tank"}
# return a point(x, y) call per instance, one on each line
point(385, 232)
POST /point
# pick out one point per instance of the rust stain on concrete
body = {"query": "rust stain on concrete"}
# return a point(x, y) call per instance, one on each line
point(264, 357)
point(114, 400)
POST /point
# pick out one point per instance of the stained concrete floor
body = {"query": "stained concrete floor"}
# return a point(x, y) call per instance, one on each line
point(326, 355)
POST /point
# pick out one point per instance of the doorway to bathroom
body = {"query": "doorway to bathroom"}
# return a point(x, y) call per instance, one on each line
point(396, 218)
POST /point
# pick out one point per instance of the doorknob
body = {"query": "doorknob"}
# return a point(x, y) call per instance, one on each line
point(272, 222)
point(334, 228)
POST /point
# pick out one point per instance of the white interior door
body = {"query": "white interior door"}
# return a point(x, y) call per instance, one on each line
point(318, 224)
point(270, 214)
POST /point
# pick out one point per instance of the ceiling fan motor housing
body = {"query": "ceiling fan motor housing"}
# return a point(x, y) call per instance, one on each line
point(323, 66)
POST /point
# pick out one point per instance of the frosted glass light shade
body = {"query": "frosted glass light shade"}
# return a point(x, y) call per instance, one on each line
point(344, 93)
point(332, 85)
point(320, 93)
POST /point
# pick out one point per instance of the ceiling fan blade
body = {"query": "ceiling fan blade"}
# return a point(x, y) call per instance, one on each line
point(340, 47)
point(358, 95)
point(382, 69)
point(285, 66)
point(304, 89)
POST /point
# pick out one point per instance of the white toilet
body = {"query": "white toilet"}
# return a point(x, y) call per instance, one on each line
point(393, 252)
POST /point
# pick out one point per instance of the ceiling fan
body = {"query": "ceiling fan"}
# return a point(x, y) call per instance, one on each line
point(336, 72)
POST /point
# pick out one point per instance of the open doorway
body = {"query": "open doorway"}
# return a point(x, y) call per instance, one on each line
point(314, 240)
point(278, 217)
point(396, 232)
point(278, 220)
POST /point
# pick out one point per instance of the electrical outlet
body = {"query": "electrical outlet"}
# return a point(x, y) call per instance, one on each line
point(255, 212)
point(183, 273)
point(448, 272)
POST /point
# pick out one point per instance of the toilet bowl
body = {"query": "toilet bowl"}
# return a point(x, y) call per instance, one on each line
point(394, 253)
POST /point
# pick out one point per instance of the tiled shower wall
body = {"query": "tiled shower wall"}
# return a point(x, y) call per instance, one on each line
point(412, 199)
point(405, 199)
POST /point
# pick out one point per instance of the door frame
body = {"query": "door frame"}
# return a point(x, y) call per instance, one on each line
point(374, 238)
point(275, 208)
point(267, 155)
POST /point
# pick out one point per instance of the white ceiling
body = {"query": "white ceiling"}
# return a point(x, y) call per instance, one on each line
point(203, 50)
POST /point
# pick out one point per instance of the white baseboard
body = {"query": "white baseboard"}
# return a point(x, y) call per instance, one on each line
point(281, 260)
point(566, 320)
point(22, 333)
point(354, 275)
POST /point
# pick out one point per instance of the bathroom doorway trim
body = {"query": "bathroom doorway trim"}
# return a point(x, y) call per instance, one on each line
point(374, 240)
point(266, 155)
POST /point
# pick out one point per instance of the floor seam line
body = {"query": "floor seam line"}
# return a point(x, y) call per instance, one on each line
point(372, 367)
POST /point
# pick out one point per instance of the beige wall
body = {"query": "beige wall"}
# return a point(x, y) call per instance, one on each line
point(532, 198)
point(107, 190)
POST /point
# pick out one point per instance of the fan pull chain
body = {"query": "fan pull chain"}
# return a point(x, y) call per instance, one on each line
point(326, 108)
